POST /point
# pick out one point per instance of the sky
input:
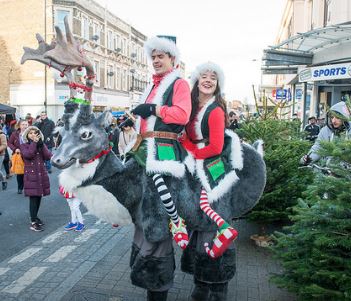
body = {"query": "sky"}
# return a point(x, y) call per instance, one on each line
point(231, 33)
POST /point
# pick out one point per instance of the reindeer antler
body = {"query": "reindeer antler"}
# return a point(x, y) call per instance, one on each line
point(69, 52)
point(64, 55)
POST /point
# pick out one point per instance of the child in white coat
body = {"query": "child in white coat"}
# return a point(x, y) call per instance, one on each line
point(76, 223)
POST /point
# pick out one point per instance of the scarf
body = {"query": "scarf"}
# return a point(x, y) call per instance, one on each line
point(157, 78)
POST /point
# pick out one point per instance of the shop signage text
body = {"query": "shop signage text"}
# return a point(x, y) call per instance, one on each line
point(326, 72)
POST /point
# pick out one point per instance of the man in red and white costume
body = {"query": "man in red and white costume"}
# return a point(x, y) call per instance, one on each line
point(164, 109)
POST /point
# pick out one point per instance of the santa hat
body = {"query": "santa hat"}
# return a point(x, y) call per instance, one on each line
point(209, 66)
point(162, 43)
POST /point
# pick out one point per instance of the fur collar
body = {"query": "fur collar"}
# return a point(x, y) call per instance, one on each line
point(27, 130)
point(74, 176)
point(198, 121)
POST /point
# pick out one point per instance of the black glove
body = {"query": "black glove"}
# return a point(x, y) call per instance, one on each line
point(305, 160)
point(40, 144)
point(145, 110)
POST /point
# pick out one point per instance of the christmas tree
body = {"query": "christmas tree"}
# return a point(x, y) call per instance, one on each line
point(316, 250)
point(283, 148)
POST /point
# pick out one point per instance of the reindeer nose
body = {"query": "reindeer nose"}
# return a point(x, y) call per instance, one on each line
point(56, 161)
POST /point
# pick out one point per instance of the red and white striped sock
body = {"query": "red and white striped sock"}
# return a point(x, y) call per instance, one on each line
point(226, 234)
point(205, 207)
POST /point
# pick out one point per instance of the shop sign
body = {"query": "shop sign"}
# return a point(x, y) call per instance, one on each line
point(281, 94)
point(326, 72)
point(298, 93)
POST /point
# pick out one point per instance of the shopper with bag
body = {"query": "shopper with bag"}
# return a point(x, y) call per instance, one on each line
point(14, 144)
point(17, 168)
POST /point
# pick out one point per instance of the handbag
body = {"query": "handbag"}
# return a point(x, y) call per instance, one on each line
point(17, 164)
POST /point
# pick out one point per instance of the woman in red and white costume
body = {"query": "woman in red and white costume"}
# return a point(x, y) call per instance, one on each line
point(217, 153)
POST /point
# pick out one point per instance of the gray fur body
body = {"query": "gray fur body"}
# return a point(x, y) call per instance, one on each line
point(122, 193)
point(134, 189)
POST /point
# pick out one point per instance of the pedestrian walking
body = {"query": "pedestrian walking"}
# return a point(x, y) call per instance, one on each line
point(57, 136)
point(29, 118)
point(233, 121)
point(3, 146)
point(338, 125)
point(36, 179)
point(6, 163)
point(127, 135)
point(115, 138)
point(312, 129)
point(17, 168)
point(77, 222)
point(14, 144)
point(46, 126)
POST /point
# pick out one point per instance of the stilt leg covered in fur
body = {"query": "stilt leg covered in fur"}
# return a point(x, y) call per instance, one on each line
point(152, 264)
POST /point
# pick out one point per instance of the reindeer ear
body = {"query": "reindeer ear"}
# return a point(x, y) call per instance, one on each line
point(105, 119)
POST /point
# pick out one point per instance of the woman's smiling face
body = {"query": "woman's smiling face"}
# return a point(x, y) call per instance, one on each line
point(208, 83)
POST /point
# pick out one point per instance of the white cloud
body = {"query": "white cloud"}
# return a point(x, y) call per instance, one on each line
point(231, 33)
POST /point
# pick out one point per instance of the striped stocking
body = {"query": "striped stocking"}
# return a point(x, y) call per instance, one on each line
point(177, 225)
point(226, 233)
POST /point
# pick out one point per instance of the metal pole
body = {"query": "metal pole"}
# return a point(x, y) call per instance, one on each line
point(293, 98)
point(45, 69)
point(304, 104)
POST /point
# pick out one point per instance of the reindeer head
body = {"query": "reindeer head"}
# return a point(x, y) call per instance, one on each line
point(83, 137)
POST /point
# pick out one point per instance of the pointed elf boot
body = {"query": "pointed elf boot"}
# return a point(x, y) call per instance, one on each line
point(179, 233)
point(221, 242)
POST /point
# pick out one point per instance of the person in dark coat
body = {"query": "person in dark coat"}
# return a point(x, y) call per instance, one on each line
point(36, 179)
point(14, 144)
point(115, 139)
point(233, 121)
point(46, 126)
point(311, 129)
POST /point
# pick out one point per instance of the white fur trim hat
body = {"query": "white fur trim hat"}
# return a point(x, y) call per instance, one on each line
point(208, 66)
point(162, 44)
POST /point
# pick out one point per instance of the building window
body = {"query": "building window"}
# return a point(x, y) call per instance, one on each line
point(119, 79)
point(97, 73)
point(110, 77)
point(124, 80)
point(110, 40)
point(85, 28)
point(97, 31)
point(61, 14)
point(117, 42)
point(122, 45)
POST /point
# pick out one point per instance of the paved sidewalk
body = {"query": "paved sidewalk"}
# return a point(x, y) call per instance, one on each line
point(93, 265)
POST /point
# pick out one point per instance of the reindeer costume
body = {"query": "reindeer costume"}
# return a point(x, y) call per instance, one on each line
point(122, 192)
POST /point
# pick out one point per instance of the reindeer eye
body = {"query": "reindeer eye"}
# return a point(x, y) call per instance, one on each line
point(86, 135)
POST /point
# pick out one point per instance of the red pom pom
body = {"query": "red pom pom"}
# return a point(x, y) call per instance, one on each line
point(79, 68)
point(62, 74)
